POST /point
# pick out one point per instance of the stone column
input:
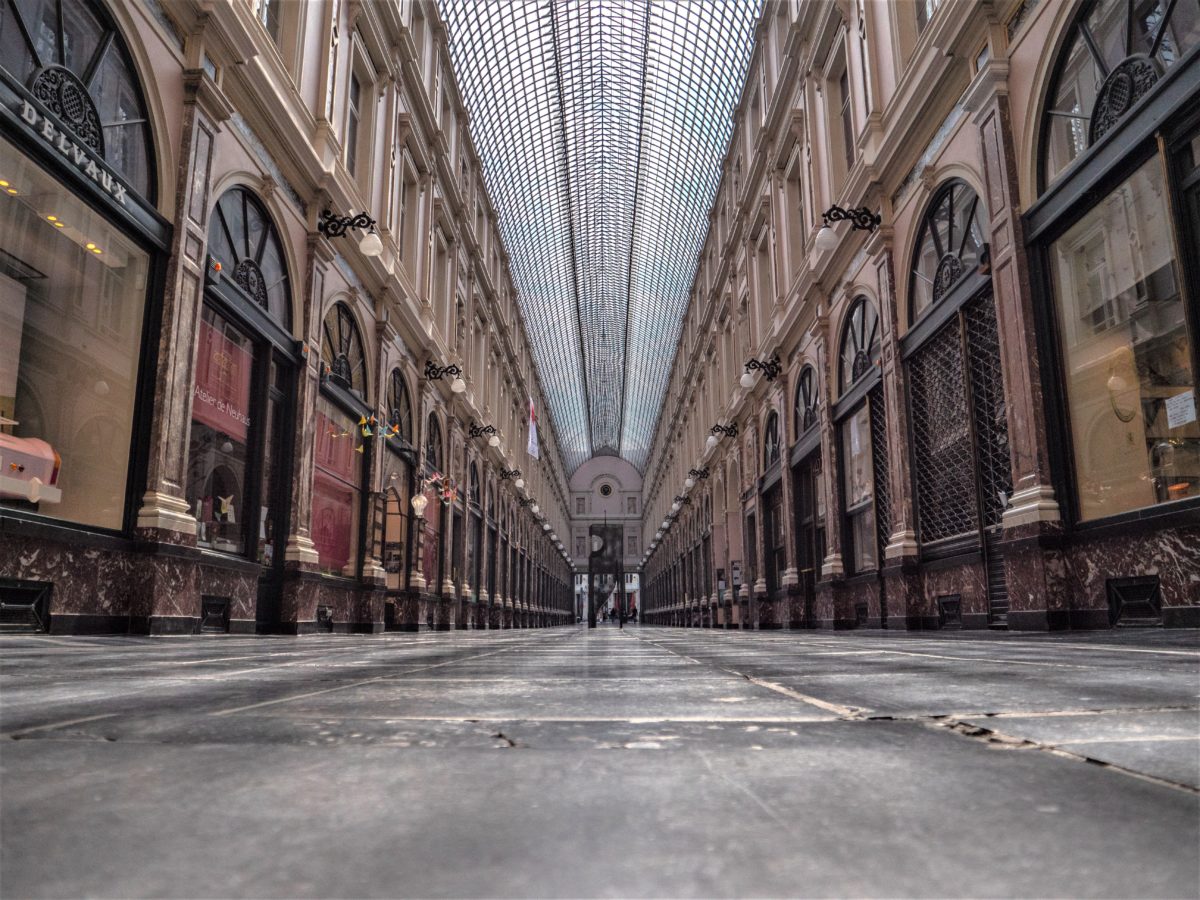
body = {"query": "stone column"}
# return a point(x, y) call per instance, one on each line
point(167, 595)
point(906, 606)
point(1034, 568)
point(829, 603)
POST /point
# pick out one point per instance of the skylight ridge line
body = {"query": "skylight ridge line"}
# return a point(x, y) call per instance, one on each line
point(633, 231)
point(566, 186)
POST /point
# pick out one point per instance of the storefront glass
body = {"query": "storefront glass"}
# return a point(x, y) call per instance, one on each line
point(336, 489)
point(220, 434)
point(860, 488)
point(1130, 385)
point(72, 295)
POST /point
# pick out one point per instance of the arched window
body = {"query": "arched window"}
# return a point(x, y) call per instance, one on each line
point(771, 440)
point(960, 455)
point(244, 240)
point(1115, 54)
point(399, 407)
point(77, 65)
point(863, 437)
point(860, 343)
point(342, 350)
point(433, 445)
point(806, 400)
point(473, 489)
point(949, 248)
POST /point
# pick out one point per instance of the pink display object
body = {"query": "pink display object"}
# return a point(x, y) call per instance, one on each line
point(28, 470)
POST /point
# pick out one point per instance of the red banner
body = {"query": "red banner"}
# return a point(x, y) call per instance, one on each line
point(221, 398)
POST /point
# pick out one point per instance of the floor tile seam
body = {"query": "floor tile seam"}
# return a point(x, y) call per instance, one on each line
point(801, 637)
point(795, 695)
point(992, 738)
point(359, 683)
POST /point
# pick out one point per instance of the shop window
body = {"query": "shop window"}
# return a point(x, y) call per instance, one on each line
point(860, 489)
point(960, 450)
point(72, 294)
point(75, 61)
point(244, 240)
point(1129, 362)
point(342, 441)
point(1115, 54)
point(336, 489)
point(219, 440)
point(805, 409)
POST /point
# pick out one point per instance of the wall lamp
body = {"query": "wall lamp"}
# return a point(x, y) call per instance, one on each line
point(506, 474)
point(335, 226)
point(861, 219)
point(525, 501)
point(437, 373)
point(480, 430)
point(694, 474)
point(769, 367)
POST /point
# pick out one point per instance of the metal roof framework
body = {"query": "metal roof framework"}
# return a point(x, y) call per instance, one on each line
point(601, 126)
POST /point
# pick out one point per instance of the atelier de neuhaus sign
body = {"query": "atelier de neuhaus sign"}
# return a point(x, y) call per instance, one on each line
point(61, 141)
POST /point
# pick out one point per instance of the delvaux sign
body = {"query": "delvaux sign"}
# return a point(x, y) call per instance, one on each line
point(80, 156)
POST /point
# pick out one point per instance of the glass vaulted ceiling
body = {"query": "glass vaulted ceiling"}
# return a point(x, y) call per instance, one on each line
point(601, 126)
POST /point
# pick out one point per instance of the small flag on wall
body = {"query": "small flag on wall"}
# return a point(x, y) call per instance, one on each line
point(533, 440)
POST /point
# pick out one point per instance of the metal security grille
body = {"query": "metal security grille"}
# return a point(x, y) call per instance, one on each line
point(879, 456)
point(988, 408)
point(942, 452)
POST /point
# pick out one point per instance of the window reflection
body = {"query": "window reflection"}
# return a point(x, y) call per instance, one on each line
point(1130, 382)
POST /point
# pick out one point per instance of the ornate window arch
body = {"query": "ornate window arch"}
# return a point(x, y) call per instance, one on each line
point(399, 407)
point(243, 238)
point(342, 350)
point(473, 486)
point(771, 440)
point(806, 400)
point(433, 444)
point(75, 62)
point(861, 347)
point(950, 246)
point(1115, 53)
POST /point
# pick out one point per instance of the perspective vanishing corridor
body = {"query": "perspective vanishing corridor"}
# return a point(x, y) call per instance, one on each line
point(599, 448)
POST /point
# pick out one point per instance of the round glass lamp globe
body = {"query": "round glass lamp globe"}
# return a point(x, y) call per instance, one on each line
point(371, 245)
point(748, 380)
point(458, 386)
point(711, 442)
point(519, 484)
point(418, 504)
point(826, 239)
point(494, 440)
point(689, 483)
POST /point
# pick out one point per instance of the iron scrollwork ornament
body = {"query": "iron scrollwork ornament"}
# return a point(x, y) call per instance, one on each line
point(949, 271)
point(769, 367)
point(861, 219)
point(730, 430)
point(249, 277)
point(333, 226)
point(436, 373)
point(61, 92)
point(1130, 80)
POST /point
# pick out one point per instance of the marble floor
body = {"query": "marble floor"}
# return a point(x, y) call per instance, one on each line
point(603, 763)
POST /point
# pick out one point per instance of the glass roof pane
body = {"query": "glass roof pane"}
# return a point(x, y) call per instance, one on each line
point(601, 126)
